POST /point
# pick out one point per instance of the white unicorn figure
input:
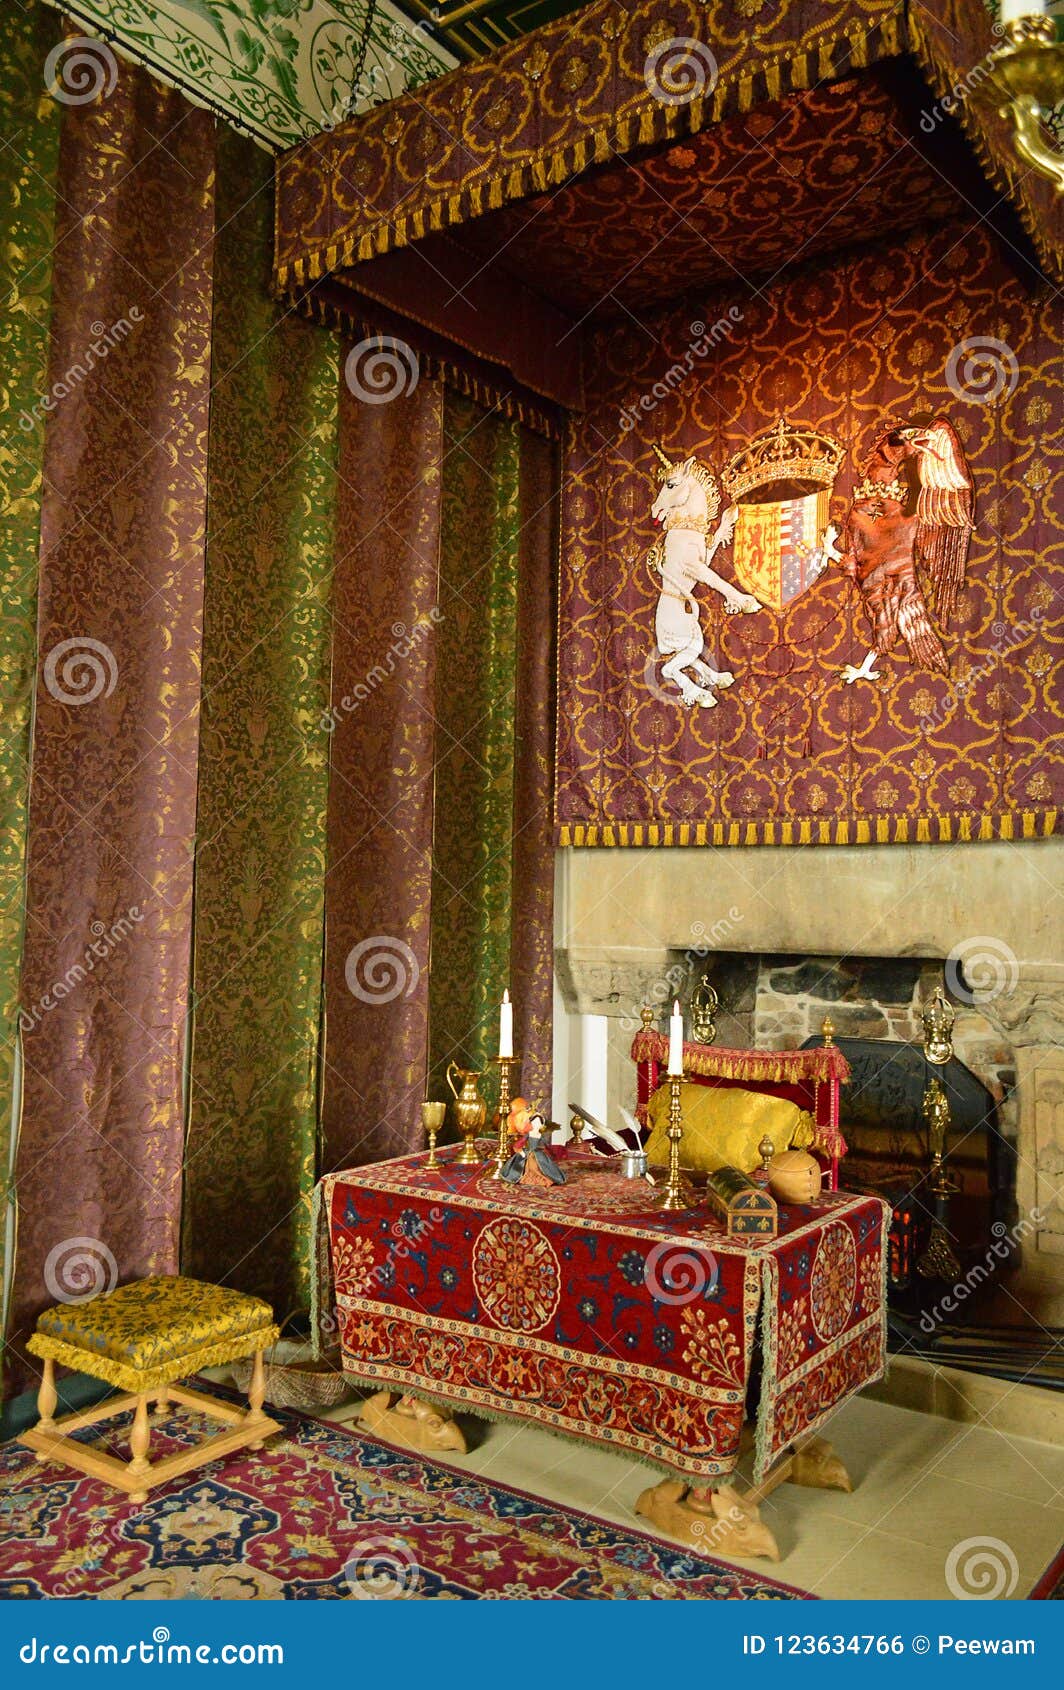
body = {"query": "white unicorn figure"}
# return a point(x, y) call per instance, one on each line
point(685, 508)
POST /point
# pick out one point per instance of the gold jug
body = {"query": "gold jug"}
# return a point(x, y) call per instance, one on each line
point(470, 1111)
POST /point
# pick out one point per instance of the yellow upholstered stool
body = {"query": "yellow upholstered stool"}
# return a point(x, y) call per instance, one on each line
point(144, 1337)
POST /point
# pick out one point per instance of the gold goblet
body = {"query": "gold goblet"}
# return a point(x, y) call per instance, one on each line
point(433, 1116)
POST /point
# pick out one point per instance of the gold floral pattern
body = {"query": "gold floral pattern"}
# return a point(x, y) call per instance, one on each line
point(834, 1281)
point(263, 772)
point(27, 189)
point(113, 796)
point(516, 1274)
point(154, 1330)
point(352, 1265)
point(712, 1349)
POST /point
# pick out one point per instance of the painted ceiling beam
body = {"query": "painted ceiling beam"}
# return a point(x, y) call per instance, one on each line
point(280, 72)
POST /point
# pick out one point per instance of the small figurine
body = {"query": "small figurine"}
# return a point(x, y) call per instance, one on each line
point(531, 1163)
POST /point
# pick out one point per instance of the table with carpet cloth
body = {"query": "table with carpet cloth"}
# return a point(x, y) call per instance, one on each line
point(587, 1310)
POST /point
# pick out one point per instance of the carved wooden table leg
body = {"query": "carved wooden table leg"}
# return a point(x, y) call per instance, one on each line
point(727, 1520)
point(814, 1463)
point(411, 1423)
point(724, 1521)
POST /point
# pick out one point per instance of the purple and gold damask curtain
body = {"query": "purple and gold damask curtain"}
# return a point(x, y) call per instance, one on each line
point(251, 1152)
point(532, 908)
point(113, 783)
point(29, 146)
point(440, 877)
point(381, 737)
point(473, 840)
point(188, 467)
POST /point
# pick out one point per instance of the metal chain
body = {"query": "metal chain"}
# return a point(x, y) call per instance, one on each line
point(363, 51)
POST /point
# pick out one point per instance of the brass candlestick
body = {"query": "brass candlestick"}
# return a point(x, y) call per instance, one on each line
point(502, 1148)
point(677, 1194)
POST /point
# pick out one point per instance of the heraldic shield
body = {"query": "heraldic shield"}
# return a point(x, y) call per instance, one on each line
point(780, 484)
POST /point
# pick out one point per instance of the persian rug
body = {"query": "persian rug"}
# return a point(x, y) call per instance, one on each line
point(1050, 1587)
point(323, 1512)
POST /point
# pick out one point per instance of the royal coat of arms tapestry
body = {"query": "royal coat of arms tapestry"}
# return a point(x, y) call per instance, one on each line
point(810, 567)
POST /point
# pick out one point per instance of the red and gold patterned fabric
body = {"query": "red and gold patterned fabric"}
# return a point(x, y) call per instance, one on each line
point(793, 754)
point(586, 1309)
point(816, 1353)
point(581, 92)
point(802, 125)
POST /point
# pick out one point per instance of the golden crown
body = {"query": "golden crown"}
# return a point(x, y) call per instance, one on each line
point(783, 453)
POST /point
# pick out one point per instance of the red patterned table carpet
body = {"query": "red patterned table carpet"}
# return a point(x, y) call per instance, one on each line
point(585, 1308)
point(322, 1513)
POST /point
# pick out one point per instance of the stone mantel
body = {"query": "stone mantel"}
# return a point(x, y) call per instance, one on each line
point(862, 900)
point(624, 917)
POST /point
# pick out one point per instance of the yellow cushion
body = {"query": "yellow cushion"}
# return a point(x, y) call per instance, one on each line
point(723, 1126)
point(154, 1326)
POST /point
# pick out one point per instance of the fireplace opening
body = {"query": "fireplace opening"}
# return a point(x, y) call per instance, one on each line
point(952, 1303)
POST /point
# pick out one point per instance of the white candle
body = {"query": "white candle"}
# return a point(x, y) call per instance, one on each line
point(1012, 10)
point(506, 1026)
point(676, 1040)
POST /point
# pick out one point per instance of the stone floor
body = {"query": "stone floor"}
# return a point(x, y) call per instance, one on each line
point(922, 1487)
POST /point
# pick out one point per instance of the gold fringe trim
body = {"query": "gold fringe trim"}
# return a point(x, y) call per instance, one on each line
point(641, 124)
point(1007, 178)
point(883, 830)
point(777, 1067)
point(150, 1378)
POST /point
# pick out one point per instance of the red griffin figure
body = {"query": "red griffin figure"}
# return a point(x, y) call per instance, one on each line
point(913, 507)
point(530, 1163)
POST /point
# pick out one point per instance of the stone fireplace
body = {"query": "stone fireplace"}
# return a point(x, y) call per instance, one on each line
point(863, 932)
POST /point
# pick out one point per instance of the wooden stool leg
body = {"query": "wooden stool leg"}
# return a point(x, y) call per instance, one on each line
point(256, 1395)
point(139, 1442)
point(162, 1401)
point(47, 1398)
